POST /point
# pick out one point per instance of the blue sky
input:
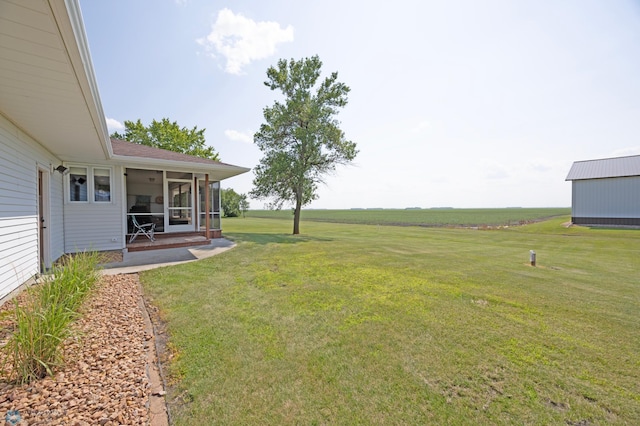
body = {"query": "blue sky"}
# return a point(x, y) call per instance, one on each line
point(453, 103)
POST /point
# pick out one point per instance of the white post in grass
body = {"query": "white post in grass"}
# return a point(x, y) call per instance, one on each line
point(532, 257)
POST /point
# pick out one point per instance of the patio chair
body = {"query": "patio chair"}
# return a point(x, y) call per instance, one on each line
point(147, 229)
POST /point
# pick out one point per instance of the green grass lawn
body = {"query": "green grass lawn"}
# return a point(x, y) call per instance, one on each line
point(356, 324)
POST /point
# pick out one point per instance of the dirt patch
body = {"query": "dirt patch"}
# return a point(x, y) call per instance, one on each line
point(109, 256)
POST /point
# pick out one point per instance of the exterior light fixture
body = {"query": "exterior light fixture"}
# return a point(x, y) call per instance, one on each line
point(61, 169)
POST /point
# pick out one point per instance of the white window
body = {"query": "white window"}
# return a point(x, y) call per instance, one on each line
point(101, 185)
point(78, 186)
point(89, 184)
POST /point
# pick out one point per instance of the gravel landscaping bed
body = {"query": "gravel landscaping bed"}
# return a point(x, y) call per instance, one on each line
point(105, 377)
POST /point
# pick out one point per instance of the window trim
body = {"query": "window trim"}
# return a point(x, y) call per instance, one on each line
point(93, 187)
point(68, 185)
point(91, 193)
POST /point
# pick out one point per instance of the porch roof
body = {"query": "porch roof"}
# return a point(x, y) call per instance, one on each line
point(133, 153)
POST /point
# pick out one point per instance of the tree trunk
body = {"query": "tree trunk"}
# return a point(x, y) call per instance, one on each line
point(296, 214)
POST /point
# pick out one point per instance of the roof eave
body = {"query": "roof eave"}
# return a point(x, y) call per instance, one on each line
point(221, 171)
point(84, 71)
point(600, 177)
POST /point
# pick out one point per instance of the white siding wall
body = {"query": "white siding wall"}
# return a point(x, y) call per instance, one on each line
point(94, 226)
point(19, 254)
point(56, 227)
point(611, 198)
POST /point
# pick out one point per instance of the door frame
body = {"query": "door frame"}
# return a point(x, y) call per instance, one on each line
point(194, 219)
point(43, 217)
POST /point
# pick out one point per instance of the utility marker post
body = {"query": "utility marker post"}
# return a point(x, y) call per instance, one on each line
point(532, 257)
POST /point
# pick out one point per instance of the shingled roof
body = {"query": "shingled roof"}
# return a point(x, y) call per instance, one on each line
point(129, 149)
point(605, 168)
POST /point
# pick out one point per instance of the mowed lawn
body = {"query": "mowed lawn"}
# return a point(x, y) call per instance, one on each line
point(357, 324)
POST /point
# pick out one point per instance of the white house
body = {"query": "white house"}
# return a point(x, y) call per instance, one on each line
point(606, 191)
point(65, 186)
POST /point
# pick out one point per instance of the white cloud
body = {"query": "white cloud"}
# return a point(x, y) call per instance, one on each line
point(632, 150)
point(241, 40)
point(540, 165)
point(114, 125)
point(235, 135)
point(497, 172)
point(421, 127)
point(492, 169)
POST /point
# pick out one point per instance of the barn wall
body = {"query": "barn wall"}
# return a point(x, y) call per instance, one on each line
point(612, 201)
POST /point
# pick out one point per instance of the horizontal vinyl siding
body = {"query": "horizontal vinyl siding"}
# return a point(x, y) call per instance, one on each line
point(18, 211)
point(92, 226)
point(606, 198)
point(19, 246)
point(56, 226)
point(18, 266)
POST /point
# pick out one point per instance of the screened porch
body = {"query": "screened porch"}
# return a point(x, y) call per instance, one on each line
point(171, 202)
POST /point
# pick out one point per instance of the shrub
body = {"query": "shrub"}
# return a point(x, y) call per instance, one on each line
point(42, 321)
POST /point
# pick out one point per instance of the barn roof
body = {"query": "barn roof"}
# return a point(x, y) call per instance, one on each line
point(605, 168)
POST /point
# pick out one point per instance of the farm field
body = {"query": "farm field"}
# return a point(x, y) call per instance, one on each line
point(354, 324)
point(421, 217)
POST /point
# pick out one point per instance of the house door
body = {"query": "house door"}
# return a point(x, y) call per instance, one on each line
point(43, 219)
point(179, 203)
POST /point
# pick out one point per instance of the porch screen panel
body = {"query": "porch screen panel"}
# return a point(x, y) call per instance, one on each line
point(214, 207)
point(145, 197)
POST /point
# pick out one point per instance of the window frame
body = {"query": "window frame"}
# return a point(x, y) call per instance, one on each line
point(68, 184)
point(91, 181)
point(93, 187)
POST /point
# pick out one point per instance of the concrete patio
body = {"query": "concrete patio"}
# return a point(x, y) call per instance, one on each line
point(133, 262)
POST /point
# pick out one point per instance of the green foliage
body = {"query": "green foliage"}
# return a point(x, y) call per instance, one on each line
point(43, 320)
point(233, 203)
point(353, 324)
point(244, 204)
point(301, 139)
point(168, 135)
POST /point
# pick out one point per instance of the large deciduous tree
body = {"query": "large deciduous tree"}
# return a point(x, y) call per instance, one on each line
point(301, 140)
point(233, 203)
point(168, 135)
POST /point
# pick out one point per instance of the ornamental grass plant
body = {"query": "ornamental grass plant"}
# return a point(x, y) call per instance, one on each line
point(42, 321)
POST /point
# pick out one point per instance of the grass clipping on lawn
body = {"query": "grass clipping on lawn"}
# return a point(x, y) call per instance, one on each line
point(43, 318)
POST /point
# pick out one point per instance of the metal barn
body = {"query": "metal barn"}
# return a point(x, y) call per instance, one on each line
point(606, 191)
